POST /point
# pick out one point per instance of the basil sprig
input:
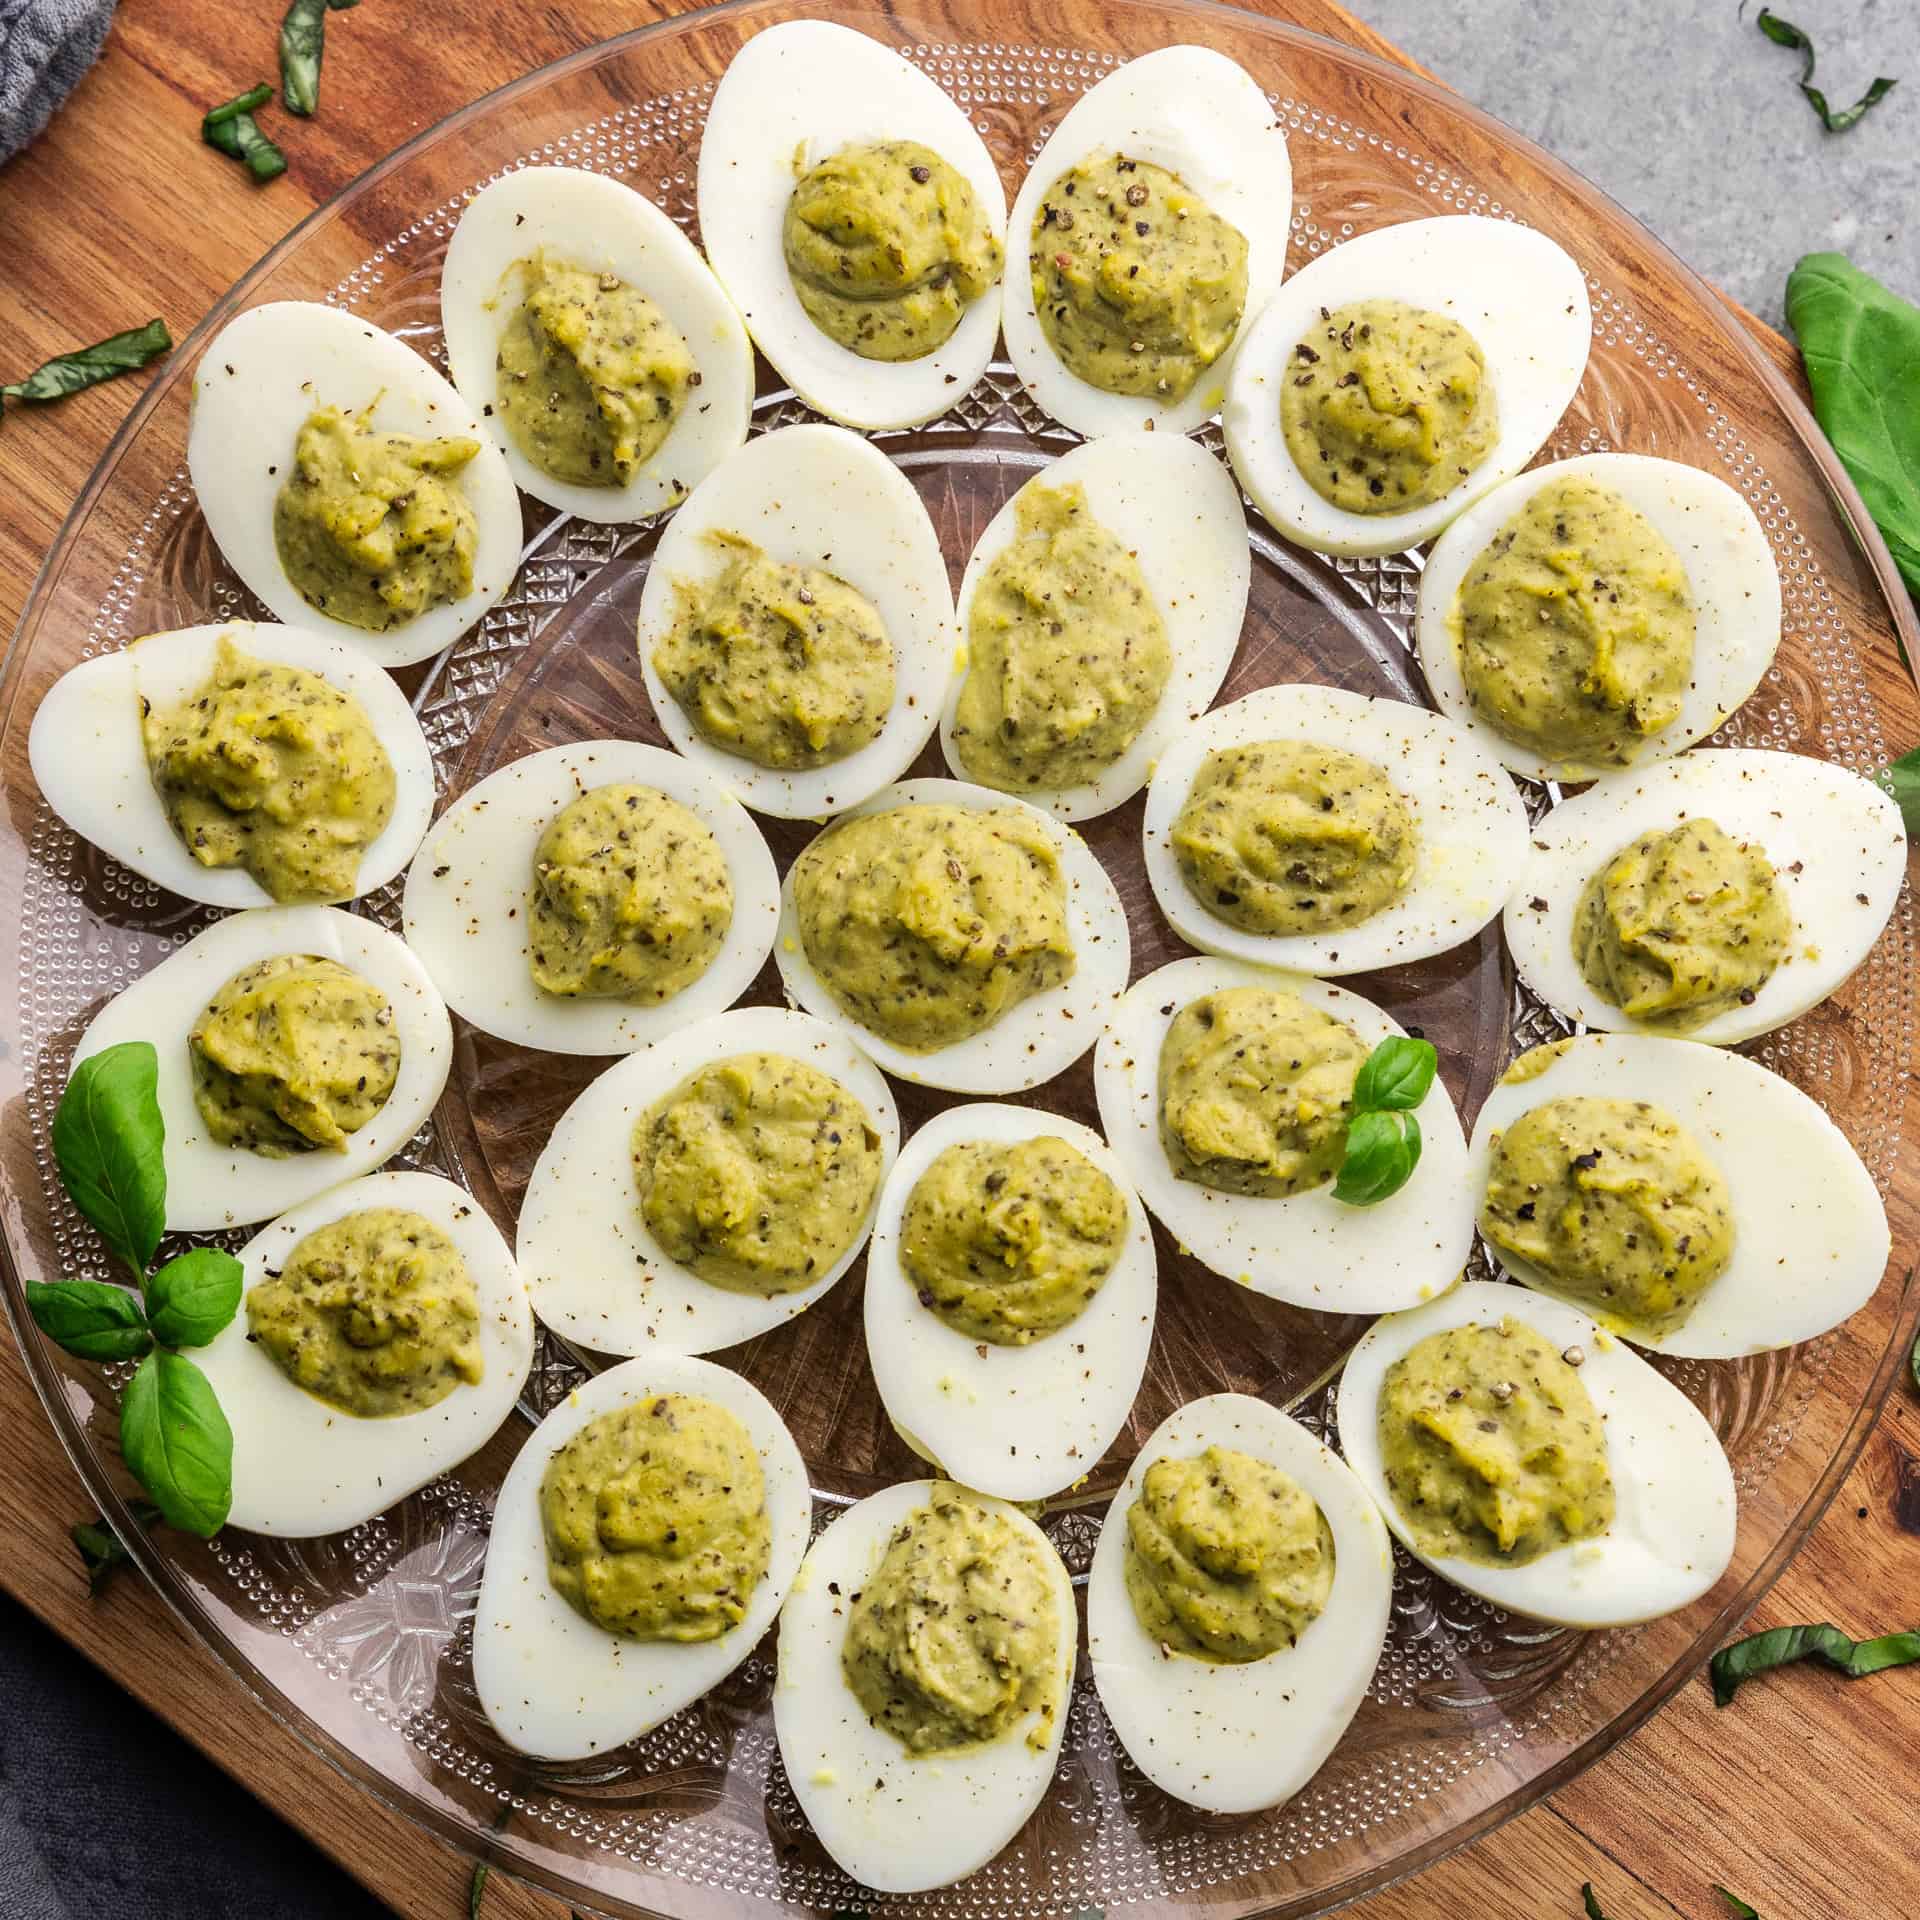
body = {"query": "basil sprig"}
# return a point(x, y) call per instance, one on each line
point(1783, 33)
point(303, 45)
point(102, 1551)
point(232, 128)
point(1732, 1667)
point(1383, 1137)
point(105, 360)
point(108, 1142)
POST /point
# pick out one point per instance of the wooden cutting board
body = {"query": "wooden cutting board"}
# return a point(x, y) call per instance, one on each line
point(1797, 1799)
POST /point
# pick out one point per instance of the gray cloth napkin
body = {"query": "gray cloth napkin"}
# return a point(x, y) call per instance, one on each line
point(46, 46)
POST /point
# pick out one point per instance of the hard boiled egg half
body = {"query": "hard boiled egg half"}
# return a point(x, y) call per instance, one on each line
point(1182, 111)
point(1672, 1533)
point(557, 1684)
point(1468, 829)
point(1020, 1421)
point(1173, 511)
point(596, 1273)
point(303, 1466)
point(1730, 578)
point(210, 1186)
point(1236, 1736)
point(821, 498)
point(90, 758)
point(1518, 297)
point(1308, 1248)
point(260, 378)
point(896, 1821)
point(565, 217)
point(795, 96)
point(467, 899)
point(1834, 840)
point(1810, 1235)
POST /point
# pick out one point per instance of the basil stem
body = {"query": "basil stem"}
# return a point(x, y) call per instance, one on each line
point(101, 1548)
point(108, 1141)
point(1732, 1667)
point(105, 360)
point(89, 1318)
point(1783, 33)
point(231, 128)
point(176, 1440)
point(191, 1298)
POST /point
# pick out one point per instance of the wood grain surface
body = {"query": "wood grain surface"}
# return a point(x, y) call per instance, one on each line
point(1798, 1798)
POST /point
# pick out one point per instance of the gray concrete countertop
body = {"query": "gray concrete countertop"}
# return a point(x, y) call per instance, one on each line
point(1690, 117)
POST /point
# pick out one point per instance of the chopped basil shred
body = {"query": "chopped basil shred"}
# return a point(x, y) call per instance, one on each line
point(231, 128)
point(303, 45)
point(1591, 1902)
point(1783, 33)
point(1735, 1905)
point(1732, 1667)
point(106, 359)
point(1383, 1137)
point(101, 1549)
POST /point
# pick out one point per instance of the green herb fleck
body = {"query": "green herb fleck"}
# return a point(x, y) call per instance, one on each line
point(1383, 1137)
point(1732, 1667)
point(1783, 33)
point(102, 1551)
point(231, 128)
point(105, 360)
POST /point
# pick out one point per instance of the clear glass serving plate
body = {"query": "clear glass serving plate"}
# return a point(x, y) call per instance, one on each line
point(360, 1644)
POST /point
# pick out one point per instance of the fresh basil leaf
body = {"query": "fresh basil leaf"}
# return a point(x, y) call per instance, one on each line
point(1591, 1902)
point(1735, 1905)
point(1901, 779)
point(1732, 1667)
point(1783, 33)
point(176, 1440)
point(232, 129)
point(191, 1298)
point(101, 1548)
point(105, 360)
point(1861, 344)
point(89, 1318)
point(1383, 1148)
point(108, 1141)
point(1396, 1075)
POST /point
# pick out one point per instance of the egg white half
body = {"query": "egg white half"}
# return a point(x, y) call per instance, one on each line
point(1469, 824)
point(1674, 1513)
point(256, 383)
point(897, 1822)
point(1836, 841)
point(1233, 1738)
point(596, 1274)
point(551, 1681)
point(210, 1186)
point(466, 899)
point(822, 497)
point(1195, 114)
point(1730, 572)
point(1176, 510)
point(793, 96)
point(302, 1467)
point(1811, 1240)
point(89, 755)
point(1046, 1032)
point(1310, 1249)
point(1020, 1422)
point(590, 221)
point(1520, 297)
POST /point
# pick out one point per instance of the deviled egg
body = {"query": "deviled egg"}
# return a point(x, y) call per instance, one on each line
point(1099, 614)
point(1402, 375)
point(1713, 896)
point(595, 342)
point(858, 221)
point(964, 938)
point(351, 488)
point(1246, 1075)
point(917, 1755)
point(590, 898)
point(1687, 1198)
point(1524, 1454)
point(383, 1336)
point(711, 1185)
point(1150, 230)
point(642, 1543)
point(298, 1047)
point(1237, 1605)
point(238, 764)
point(1010, 1298)
point(796, 627)
point(1597, 612)
point(1318, 829)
